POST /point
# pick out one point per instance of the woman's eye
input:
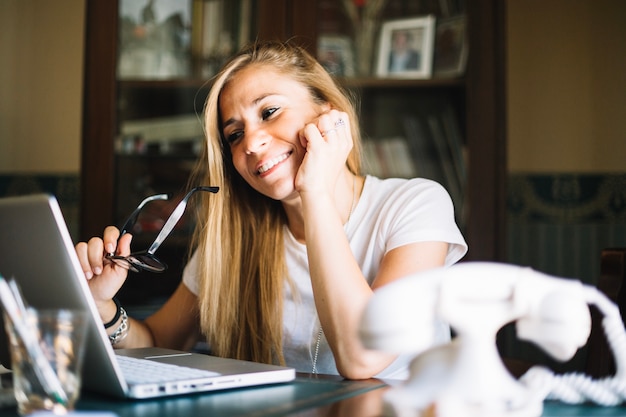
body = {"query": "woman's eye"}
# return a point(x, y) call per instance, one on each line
point(234, 136)
point(267, 113)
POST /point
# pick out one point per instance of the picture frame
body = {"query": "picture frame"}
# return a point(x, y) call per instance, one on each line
point(451, 47)
point(406, 48)
point(154, 39)
point(335, 53)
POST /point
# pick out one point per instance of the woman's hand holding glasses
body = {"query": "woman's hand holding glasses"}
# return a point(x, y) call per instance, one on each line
point(104, 278)
point(106, 274)
point(146, 260)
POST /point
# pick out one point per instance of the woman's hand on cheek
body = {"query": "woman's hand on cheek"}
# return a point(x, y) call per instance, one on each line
point(328, 142)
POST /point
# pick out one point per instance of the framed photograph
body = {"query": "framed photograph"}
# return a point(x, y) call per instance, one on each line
point(406, 48)
point(154, 39)
point(334, 52)
point(450, 47)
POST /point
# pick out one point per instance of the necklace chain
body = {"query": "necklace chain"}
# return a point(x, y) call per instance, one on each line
point(321, 330)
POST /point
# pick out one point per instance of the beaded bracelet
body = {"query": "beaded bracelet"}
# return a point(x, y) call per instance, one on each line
point(122, 331)
point(118, 312)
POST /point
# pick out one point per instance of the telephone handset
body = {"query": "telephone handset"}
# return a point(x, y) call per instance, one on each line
point(466, 377)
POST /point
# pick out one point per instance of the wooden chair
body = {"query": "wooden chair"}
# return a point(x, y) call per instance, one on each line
point(612, 283)
point(598, 361)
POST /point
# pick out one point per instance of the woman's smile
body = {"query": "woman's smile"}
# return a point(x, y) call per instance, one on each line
point(268, 165)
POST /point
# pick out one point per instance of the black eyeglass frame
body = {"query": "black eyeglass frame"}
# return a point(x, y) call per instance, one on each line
point(146, 260)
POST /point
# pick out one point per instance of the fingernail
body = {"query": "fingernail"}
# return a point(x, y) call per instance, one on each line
point(88, 274)
point(97, 270)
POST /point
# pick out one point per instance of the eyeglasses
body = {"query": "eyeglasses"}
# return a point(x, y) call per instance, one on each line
point(145, 260)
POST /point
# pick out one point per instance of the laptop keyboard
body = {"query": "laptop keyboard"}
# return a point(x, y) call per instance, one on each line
point(141, 371)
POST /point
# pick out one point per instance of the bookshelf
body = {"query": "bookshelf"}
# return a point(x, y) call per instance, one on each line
point(477, 99)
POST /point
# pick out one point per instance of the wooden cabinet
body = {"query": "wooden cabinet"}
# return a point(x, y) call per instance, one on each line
point(478, 99)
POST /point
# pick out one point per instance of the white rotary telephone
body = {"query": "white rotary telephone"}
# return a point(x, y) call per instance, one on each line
point(466, 377)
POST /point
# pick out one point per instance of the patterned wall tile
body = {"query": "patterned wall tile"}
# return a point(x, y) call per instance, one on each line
point(560, 223)
point(65, 187)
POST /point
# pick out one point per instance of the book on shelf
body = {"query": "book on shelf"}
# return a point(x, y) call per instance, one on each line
point(388, 157)
point(212, 17)
point(398, 157)
point(245, 19)
point(158, 129)
point(220, 27)
point(422, 149)
point(455, 142)
point(431, 147)
point(371, 164)
point(164, 133)
point(451, 181)
point(436, 144)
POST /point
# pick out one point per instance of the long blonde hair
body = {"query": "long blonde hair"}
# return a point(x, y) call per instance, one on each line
point(239, 232)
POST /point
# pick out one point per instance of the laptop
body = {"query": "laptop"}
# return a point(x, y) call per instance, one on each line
point(37, 251)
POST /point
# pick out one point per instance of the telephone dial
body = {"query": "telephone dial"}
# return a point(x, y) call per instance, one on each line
point(467, 377)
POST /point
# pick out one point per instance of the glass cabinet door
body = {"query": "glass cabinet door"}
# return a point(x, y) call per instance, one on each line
point(167, 52)
point(405, 62)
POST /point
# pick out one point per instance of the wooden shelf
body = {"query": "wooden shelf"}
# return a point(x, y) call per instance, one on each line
point(365, 82)
point(165, 83)
point(373, 82)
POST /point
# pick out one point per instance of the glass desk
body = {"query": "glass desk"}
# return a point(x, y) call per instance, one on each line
point(307, 396)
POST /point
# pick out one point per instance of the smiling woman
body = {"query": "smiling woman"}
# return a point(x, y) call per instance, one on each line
point(264, 114)
point(277, 273)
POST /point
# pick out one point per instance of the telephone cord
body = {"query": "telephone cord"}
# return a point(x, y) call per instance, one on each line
point(576, 388)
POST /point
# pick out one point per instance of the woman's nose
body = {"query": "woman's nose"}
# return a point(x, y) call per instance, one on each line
point(255, 140)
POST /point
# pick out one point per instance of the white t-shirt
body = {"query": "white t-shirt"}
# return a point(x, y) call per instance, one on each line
point(390, 213)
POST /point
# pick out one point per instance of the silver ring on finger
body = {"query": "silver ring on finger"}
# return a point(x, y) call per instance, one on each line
point(340, 123)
